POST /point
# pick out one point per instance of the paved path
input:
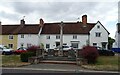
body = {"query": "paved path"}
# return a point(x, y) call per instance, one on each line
point(54, 66)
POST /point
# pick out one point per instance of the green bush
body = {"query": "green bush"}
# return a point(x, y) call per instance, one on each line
point(24, 56)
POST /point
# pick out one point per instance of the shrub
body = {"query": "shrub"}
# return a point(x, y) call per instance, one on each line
point(24, 56)
point(90, 53)
point(33, 49)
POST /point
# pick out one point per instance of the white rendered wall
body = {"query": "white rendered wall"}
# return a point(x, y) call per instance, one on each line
point(28, 39)
point(66, 39)
point(98, 40)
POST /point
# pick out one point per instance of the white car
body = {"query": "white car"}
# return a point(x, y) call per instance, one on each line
point(65, 47)
point(4, 50)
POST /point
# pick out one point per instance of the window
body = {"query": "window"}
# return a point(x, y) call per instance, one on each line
point(74, 45)
point(98, 26)
point(57, 36)
point(22, 36)
point(48, 37)
point(10, 36)
point(29, 45)
point(98, 34)
point(74, 36)
point(94, 44)
point(10, 45)
point(47, 45)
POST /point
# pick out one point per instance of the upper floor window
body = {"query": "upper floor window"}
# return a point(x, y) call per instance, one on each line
point(98, 26)
point(22, 36)
point(98, 34)
point(57, 36)
point(48, 37)
point(74, 36)
point(10, 36)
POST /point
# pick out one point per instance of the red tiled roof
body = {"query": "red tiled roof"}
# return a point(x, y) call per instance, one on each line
point(18, 29)
point(69, 28)
point(8, 29)
point(30, 29)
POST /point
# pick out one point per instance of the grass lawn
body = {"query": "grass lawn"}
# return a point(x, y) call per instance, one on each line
point(12, 61)
point(104, 63)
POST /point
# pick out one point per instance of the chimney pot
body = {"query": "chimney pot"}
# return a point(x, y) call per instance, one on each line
point(22, 22)
point(84, 19)
point(41, 22)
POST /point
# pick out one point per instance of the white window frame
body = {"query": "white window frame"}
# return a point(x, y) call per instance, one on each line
point(22, 36)
point(10, 37)
point(94, 43)
point(98, 26)
point(10, 45)
point(57, 36)
point(75, 43)
point(48, 37)
point(97, 34)
point(74, 36)
point(47, 47)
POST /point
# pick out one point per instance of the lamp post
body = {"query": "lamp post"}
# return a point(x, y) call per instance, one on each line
point(61, 39)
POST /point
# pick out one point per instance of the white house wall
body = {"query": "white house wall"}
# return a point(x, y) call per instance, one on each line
point(28, 39)
point(98, 40)
point(66, 39)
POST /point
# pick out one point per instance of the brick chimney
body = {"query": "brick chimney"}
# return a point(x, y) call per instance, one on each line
point(22, 22)
point(84, 19)
point(41, 22)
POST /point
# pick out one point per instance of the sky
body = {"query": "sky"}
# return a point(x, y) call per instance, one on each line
point(12, 11)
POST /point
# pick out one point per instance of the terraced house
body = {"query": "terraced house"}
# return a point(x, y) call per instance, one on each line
point(76, 34)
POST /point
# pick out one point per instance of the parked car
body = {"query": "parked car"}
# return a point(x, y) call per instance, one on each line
point(65, 47)
point(20, 50)
point(105, 52)
point(5, 50)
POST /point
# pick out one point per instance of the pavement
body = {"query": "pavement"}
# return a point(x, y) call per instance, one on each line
point(56, 67)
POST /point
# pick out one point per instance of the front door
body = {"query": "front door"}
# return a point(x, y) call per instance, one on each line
point(104, 45)
point(57, 44)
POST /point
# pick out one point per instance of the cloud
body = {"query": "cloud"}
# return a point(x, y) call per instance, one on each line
point(105, 12)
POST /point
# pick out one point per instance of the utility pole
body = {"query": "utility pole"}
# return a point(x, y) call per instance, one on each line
point(61, 39)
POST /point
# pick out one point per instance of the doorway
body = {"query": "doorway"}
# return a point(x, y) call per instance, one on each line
point(57, 44)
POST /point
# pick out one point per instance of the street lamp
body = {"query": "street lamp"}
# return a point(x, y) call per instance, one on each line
point(61, 39)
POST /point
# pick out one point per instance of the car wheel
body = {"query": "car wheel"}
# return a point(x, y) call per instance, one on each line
point(3, 53)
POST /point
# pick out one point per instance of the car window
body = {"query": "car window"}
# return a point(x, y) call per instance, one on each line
point(65, 46)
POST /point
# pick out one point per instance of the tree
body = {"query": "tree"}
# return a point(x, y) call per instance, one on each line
point(110, 42)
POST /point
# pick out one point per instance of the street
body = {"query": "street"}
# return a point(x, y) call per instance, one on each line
point(44, 72)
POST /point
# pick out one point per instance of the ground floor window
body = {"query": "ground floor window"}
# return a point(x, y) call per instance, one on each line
point(29, 45)
point(75, 45)
point(94, 44)
point(10, 45)
point(47, 46)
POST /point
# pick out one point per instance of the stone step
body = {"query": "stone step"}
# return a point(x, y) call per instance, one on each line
point(58, 62)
